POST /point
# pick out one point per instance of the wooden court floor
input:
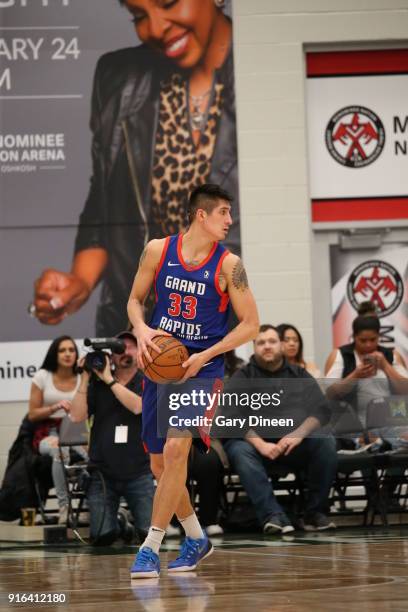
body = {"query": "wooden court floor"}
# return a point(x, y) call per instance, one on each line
point(350, 570)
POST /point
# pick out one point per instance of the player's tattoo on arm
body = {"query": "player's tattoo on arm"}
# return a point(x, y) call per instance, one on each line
point(239, 276)
point(143, 255)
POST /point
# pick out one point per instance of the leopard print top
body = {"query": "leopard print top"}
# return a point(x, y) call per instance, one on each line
point(178, 164)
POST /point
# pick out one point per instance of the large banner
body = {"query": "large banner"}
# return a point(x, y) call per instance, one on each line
point(357, 124)
point(379, 276)
point(107, 123)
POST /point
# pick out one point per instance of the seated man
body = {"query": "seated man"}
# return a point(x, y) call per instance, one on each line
point(298, 450)
point(366, 371)
point(113, 399)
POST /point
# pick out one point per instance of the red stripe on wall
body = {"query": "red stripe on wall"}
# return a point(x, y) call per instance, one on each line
point(368, 209)
point(357, 62)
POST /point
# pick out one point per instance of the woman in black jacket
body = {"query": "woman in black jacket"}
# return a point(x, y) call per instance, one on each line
point(163, 122)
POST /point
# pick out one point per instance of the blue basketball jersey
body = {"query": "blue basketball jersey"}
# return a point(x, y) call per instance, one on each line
point(190, 304)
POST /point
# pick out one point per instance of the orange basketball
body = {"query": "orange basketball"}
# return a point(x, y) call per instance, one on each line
point(166, 366)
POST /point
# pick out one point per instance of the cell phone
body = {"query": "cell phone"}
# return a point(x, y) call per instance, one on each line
point(369, 360)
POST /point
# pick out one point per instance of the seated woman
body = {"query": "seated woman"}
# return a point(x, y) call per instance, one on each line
point(52, 390)
point(292, 345)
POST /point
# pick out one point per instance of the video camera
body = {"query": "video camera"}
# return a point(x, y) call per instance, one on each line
point(96, 358)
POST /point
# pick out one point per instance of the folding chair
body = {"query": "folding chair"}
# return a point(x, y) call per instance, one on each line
point(27, 478)
point(356, 468)
point(72, 437)
point(77, 473)
point(388, 416)
point(288, 484)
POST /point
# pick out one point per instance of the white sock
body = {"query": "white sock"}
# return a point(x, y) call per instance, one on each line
point(154, 539)
point(192, 527)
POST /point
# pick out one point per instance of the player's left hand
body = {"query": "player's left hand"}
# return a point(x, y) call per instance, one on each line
point(288, 443)
point(193, 365)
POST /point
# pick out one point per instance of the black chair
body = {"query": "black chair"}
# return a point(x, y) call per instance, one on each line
point(75, 468)
point(356, 467)
point(384, 415)
point(27, 479)
point(289, 485)
point(77, 472)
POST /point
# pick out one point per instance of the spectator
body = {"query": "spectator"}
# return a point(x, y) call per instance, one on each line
point(365, 369)
point(112, 399)
point(251, 457)
point(292, 346)
point(52, 389)
point(369, 309)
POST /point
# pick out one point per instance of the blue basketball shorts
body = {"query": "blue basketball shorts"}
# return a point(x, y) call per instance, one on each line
point(160, 410)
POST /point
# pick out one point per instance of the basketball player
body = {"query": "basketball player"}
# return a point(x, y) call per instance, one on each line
point(195, 278)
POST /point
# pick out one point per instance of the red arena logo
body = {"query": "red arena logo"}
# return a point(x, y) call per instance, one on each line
point(378, 282)
point(355, 136)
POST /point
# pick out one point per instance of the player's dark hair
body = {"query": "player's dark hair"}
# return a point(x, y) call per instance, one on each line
point(206, 197)
point(50, 362)
point(364, 323)
point(367, 309)
point(282, 329)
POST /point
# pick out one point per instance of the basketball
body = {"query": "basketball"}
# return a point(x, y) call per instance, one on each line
point(166, 366)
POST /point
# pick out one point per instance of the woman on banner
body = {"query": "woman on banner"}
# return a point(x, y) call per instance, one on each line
point(163, 122)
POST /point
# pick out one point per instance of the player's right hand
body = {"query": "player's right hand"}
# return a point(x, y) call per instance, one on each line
point(58, 294)
point(144, 335)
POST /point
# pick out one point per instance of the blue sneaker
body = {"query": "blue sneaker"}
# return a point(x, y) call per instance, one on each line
point(146, 564)
point(191, 553)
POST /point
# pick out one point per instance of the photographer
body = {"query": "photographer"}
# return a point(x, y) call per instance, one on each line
point(111, 397)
